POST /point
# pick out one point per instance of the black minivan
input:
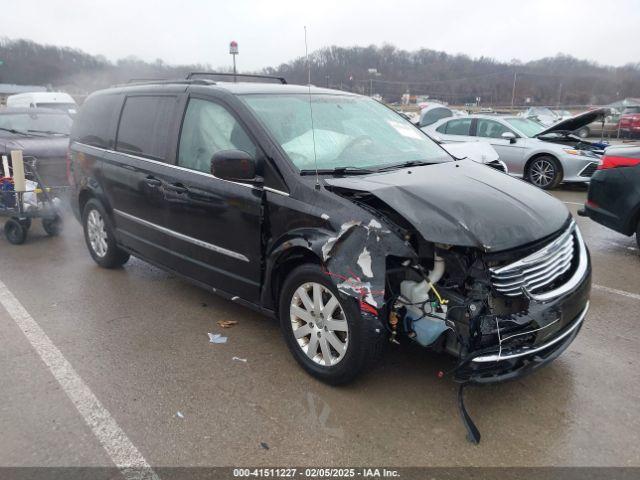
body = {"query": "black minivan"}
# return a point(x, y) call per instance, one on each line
point(335, 214)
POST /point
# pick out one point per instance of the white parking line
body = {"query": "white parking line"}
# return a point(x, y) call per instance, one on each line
point(573, 203)
point(124, 454)
point(616, 291)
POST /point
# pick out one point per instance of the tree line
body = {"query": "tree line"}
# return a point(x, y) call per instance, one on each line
point(386, 70)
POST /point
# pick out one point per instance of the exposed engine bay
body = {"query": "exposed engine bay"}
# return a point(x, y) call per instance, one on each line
point(572, 140)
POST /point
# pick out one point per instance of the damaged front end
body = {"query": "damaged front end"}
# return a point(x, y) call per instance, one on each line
point(501, 314)
point(501, 283)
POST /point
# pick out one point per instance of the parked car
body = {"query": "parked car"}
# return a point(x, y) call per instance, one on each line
point(630, 122)
point(433, 112)
point(606, 126)
point(545, 157)
point(563, 114)
point(614, 192)
point(542, 115)
point(480, 152)
point(352, 229)
point(41, 133)
point(55, 100)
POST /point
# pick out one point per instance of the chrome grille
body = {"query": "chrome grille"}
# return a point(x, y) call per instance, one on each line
point(534, 272)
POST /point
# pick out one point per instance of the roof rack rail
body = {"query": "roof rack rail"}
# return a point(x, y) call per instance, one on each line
point(282, 80)
point(166, 81)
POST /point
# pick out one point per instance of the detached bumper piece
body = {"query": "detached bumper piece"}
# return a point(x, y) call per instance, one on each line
point(506, 365)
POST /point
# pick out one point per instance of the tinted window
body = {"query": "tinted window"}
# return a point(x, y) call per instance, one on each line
point(209, 128)
point(432, 116)
point(95, 123)
point(490, 129)
point(145, 126)
point(458, 127)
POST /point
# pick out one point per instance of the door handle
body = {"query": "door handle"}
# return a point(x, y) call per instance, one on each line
point(152, 181)
point(177, 188)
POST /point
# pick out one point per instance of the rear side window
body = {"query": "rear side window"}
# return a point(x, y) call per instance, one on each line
point(95, 124)
point(457, 127)
point(145, 126)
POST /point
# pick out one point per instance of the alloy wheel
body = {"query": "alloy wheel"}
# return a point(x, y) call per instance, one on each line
point(97, 233)
point(319, 324)
point(543, 173)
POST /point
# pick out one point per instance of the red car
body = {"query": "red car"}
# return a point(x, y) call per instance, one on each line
point(630, 122)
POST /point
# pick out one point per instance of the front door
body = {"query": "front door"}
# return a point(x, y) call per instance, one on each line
point(217, 224)
point(511, 152)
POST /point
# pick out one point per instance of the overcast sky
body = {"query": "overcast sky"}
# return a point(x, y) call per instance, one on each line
point(271, 32)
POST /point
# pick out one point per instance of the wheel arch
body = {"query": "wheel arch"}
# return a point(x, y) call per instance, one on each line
point(536, 155)
point(283, 259)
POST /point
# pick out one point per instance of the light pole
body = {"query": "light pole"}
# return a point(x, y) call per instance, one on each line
point(513, 91)
point(233, 50)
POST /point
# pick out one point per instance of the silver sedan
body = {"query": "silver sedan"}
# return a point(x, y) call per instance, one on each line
point(543, 156)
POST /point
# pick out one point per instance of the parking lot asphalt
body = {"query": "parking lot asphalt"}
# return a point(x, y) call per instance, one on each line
point(137, 338)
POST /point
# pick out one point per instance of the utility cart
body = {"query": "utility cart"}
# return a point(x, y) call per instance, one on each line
point(21, 207)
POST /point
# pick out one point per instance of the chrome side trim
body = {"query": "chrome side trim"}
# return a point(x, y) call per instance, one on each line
point(165, 164)
point(181, 236)
point(499, 357)
point(278, 192)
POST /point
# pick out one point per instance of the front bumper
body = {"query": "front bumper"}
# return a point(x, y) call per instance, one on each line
point(496, 368)
point(578, 169)
point(556, 319)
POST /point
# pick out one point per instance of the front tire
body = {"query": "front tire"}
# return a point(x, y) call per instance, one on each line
point(98, 233)
point(325, 331)
point(545, 172)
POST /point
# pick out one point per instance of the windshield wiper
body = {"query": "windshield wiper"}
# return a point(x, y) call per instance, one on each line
point(14, 131)
point(347, 170)
point(411, 163)
point(49, 132)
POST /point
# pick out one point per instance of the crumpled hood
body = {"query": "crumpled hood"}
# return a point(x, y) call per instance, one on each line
point(577, 122)
point(39, 147)
point(464, 203)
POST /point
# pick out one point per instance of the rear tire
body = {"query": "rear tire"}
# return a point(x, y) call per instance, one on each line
point(98, 233)
point(545, 172)
point(313, 341)
point(15, 231)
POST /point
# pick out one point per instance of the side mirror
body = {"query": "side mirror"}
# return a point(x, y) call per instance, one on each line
point(234, 165)
point(509, 136)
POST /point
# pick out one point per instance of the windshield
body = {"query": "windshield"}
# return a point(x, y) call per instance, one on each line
point(349, 131)
point(527, 127)
point(36, 122)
